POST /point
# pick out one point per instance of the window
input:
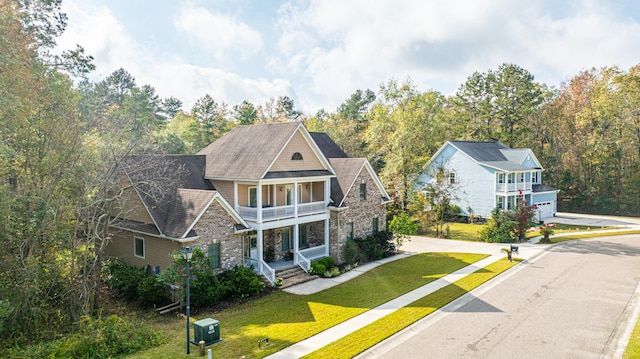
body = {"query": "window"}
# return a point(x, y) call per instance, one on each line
point(253, 197)
point(297, 156)
point(302, 236)
point(374, 225)
point(214, 255)
point(285, 235)
point(511, 177)
point(500, 202)
point(500, 177)
point(452, 177)
point(511, 202)
point(521, 177)
point(138, 244)
point(349, 230)
point(363, 191)
point(289, 195)
point(534, 177)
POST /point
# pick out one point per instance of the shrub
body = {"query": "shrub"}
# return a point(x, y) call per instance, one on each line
point(122, 279)
point(352, 252)
point(377, 245)
point(96, 338)
point(241, 282)
point(317, 268)
point(206, 290)
point(333, 272)
point(152, 290)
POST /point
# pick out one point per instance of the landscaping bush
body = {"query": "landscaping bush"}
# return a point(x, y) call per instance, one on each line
point(377, 246)
point(152, 291)
point(122, 279)
point(241, 282)
point(206, 289)
point(352, 253)
point(317, 268)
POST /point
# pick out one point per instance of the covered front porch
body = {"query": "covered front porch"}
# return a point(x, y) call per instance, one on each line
point(281, 247)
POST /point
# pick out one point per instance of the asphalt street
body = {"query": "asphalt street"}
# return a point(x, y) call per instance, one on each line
point(571, 302)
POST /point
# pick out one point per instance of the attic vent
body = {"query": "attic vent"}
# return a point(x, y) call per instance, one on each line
point(296, 157)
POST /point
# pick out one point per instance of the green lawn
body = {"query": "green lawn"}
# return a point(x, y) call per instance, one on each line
point(633, 348)
point(591, 235)
point(287, 318)
point(366, 337)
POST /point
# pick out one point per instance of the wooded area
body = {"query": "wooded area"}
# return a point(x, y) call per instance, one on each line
point(63, 137)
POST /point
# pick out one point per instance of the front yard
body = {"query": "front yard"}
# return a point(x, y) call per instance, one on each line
point(287, 318)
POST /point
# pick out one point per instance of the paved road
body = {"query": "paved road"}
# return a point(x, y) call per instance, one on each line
point(569, 303)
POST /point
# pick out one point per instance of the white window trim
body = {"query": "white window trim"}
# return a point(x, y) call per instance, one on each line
point(144, 249)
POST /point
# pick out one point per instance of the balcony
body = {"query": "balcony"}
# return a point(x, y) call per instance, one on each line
point(282, 212)
point(513, 187)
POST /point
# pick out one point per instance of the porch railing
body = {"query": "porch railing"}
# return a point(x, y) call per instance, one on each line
point(268, 272)
point(314, 252)
point(302, 261)
point(513, 187)
point(261, 267)
point(281, 212)
point(311, 207)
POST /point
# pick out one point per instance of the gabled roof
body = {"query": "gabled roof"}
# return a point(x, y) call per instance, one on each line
point(329, 148)
point(494, 154)
point(173, 190)
point(248, 152)
point(347, 171)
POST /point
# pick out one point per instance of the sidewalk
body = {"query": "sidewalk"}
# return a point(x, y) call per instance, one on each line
point(334, 333)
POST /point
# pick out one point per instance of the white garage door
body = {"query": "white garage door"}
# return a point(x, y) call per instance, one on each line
point(545, 209)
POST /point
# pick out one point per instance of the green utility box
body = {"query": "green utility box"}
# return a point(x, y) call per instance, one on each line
point(207, 330)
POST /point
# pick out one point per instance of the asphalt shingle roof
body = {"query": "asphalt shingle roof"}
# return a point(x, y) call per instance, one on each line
point(494, 154)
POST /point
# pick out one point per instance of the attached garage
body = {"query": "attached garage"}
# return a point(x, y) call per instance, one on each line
point(545, 209)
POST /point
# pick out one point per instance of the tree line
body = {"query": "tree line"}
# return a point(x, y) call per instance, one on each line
point(64, 141)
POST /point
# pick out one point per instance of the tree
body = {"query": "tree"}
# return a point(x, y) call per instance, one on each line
point(212, 120)
point(497, 106)
point(402, 226)
point(404, 129)
point(171, 106)
point(245, 113)
point(440, 191)
point(508, 226)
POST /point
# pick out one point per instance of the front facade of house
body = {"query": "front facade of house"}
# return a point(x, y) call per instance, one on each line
point(270, 202)
point(486, 175)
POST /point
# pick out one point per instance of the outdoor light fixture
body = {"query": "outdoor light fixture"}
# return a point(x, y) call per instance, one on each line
point(187, 252)
point(281, 188)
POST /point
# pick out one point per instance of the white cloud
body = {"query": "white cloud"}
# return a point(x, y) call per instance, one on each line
point(359, 44)
point(222, 35)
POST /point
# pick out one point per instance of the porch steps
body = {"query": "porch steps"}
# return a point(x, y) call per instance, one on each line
point(293, 275)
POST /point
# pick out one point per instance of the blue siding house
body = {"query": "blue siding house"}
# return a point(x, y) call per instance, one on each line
point(487, 175)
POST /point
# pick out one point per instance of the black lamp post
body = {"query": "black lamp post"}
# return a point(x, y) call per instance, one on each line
point(186, 254)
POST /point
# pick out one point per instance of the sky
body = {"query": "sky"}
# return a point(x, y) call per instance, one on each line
point(319, 52)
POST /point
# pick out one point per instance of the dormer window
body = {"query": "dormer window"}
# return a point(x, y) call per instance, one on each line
point(296, 156)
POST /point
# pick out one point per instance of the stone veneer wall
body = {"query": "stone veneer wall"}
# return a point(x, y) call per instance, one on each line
point(216, 226)
point(361, 213)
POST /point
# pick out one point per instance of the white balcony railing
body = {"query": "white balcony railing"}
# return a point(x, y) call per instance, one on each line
point(281, 212)
point(513, 187)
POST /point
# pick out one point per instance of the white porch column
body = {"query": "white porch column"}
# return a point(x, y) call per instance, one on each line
point(295, 199)
point(326, 237)
point(296, 247)
point(260, 247)
point(259, 203)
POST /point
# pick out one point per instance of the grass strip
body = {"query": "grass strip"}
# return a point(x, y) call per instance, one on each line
point(633, 347)
point(558, 239)
point(287, 318)
point(366, 337)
